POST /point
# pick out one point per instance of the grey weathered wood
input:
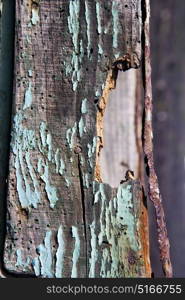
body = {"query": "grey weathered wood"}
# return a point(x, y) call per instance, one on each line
point(61, 222)
point(122, 129)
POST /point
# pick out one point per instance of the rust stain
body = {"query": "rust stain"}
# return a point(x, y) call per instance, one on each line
point(144, 237)
point(109, 85)
point(154, 192)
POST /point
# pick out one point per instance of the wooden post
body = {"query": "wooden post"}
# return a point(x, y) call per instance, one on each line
point(62, 220)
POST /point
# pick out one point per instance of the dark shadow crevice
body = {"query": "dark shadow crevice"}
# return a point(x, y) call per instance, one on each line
point(7, 33)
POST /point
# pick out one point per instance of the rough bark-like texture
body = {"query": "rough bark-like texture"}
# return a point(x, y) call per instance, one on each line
point(154, 191)
point(60, 222)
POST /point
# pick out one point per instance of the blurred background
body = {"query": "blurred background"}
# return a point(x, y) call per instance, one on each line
point(168, 76)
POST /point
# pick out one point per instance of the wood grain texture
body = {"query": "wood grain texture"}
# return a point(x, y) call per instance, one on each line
point(60, 222)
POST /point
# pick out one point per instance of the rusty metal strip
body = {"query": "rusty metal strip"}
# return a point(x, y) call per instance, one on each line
point(154, 192)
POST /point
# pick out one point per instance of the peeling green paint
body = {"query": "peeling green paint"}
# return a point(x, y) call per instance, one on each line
point(43, 134)
point(76, 252)
point(74, 27)
point(115, 17)
point(60, 253)
point(91, 151)
point(51, 190)
point(88, 18)
point(45, 256)
point(67, 182)
point(23, 140)
point(81, 127)
point(104, 262)
point(49, 143)
point(84, 106)
point(86, 180)
point(98, 94)
point(28, 97)
point(73, 21)
point(100, 49)
point(118, 226)
point(20, 262)
point(94, 251)
point(98, 15)
point(70, 134)
point(59, 162)
point(35, 16)
point(30, 73)
point(82, 161)
point(36, 266)
point(36, 186)
point(62, 166)
point(124, 214)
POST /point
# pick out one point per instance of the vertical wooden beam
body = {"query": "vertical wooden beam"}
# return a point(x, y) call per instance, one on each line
point(61, 221)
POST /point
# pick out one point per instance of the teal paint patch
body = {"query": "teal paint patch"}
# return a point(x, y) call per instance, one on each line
point(97, 94)
point(30, 73)
point(100, 49)
point(81, 127)
point(46, 146)
point(60, 253)
point(36, 266)
point(94, 251)
point(62, 167)
point(76, 252)
point(73, 21)
point(35, 16)
point(43, 134)
point(49, 144)
point(74, 27)
point(74, 66)
point(98, 15)
point(45, 256)
point(88, 18)
point(68, 183)
point(51, 190)
point(91, 151)
point(116, 218)
point(84, 106)
point(28, 97)
point(115, 17)
point(70, 135)
point(36, 187)
point(20, 263)
point(117, 55)
point(82, 161)
point(125, 215)
point(23, 140)
point(86, 180)
point(59, 162)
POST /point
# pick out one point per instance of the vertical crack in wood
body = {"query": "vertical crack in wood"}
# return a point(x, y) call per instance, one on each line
point(84, 211)
point(154, 192)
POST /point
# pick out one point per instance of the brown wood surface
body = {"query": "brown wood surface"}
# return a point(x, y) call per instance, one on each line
point(60, 221)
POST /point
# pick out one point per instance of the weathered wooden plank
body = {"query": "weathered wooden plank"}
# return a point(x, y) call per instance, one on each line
point(65, 51)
